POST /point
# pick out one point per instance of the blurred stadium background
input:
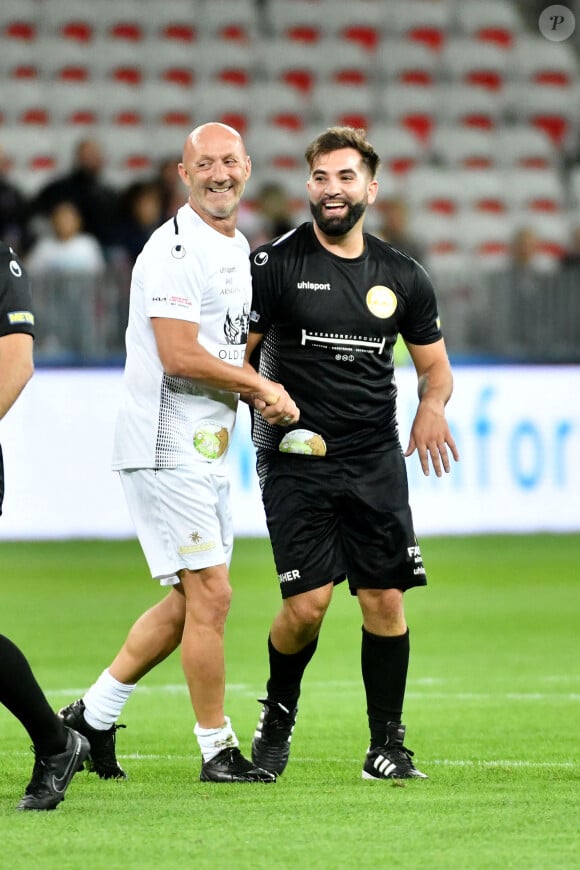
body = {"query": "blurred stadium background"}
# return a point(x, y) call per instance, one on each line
point(476, 116)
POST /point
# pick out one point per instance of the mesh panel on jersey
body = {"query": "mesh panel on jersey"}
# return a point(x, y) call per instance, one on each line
point(266, 436)
point(172, 430)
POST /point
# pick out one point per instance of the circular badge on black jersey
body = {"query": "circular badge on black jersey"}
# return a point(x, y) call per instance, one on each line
point(261, 258)
point(178, 252)
point(15, 269)
point(381, 301)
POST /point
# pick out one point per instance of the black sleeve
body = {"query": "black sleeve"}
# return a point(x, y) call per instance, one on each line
point(16, 313)
point(420, 324)
point(265, 289)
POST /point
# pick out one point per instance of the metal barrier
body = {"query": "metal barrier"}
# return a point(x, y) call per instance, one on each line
point(503, 316)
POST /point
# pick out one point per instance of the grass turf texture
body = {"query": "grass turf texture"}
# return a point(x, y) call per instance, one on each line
point(492, 714)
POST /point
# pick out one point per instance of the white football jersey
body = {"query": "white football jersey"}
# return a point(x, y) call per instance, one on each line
point(186, 271)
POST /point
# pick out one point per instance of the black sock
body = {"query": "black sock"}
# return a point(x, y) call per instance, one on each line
point(20, 692)
point(286, 673)
point(384, 662)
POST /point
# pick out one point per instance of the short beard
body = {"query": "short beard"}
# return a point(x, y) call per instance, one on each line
point(335, 226)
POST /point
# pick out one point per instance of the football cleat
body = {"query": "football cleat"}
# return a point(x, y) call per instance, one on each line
point(229, 765)
point(273, 735)
point(392, 760)
point(52, 774)
point(102, 758)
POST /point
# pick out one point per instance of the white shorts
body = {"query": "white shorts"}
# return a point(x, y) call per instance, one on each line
point(182, 517)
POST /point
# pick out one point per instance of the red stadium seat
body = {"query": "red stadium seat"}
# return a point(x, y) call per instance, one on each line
point(495, 21)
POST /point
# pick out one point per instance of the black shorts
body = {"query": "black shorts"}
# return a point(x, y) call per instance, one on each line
point(330, 519)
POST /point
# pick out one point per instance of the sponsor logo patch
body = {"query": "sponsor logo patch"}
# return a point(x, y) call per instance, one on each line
point(381, 301)
point(20, 317)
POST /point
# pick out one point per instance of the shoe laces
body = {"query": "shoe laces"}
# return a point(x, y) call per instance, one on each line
point(399, 755)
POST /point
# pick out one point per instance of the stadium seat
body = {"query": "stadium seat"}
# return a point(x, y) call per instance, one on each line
point(353, 105)
point(169, 61)
point(77, 103)
point(412, 63)
point(537, 190)
point(167, 141)
point(28, 103)
point(19, 60)
point(434, 189)
point(467, 106)
point(167, 105)
point(124, 105)
point(126, 150)
point(419, 20)
point(26, 150)
point(19, 20)
point(399, 150)
point(343, 62)
point(524, 146)
point(483, 190)
point(486, 239)
point(122, 20)
point(299, 20)
point(226, 103)
point(553, 233)
point(495, 21)
point(360, 22)
point(237, 65)
point(464, 147)
point(482, 64)
point(440, 239)
point(415, 108)
point(537, 61)
point(555, 111)
point(174, 21)
point(229, 20)
point(64, 60)
point(282, 106)
point(286, 61)
point(271, 147)
point(76, 23)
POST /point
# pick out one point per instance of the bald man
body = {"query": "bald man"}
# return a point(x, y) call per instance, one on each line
point(186, 339)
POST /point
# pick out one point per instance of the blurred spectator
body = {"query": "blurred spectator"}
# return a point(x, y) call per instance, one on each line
point(571, 259)
point(12, 209)
point(96, 201)
point(68, 267)
point(173, 193)
point(68, 249)
point(395, 230)
point(141, 212)
point(525, 256)
point(272, 215)
point(275, 210)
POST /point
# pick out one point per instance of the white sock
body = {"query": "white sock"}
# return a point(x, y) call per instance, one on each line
point(104, 701)
point(213, 740)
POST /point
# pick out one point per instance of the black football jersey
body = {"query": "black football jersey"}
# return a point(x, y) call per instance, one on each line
point(329, 327)
point(15, 295)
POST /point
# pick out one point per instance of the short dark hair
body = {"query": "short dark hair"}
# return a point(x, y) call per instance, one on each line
point(335, 138)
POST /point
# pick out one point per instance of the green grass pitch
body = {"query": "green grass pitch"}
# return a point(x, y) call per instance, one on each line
point(492, 715)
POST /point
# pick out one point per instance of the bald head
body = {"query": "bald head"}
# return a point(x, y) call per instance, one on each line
point(211, 133)
point(215, 168)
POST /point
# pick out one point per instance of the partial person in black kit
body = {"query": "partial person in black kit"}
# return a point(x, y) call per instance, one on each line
point(59, 750)
point(329, 301)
